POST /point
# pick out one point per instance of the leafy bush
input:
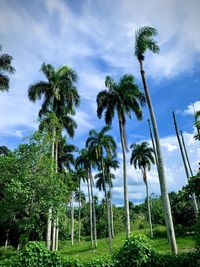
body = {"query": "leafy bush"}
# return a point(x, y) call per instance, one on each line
point(136, 251)
point(180, 260)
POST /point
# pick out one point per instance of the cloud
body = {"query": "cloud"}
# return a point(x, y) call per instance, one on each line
point(191, 108)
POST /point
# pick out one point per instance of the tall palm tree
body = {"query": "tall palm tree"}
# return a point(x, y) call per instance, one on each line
point(5, 67)
point(60, 97)
point(80, 197)
point(101, 144)
point(85, 161)
point(144, 41)
point(142, 156)
point(123, 98)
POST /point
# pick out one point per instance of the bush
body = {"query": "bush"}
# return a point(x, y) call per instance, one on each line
point(136, 251)
point(180, 260)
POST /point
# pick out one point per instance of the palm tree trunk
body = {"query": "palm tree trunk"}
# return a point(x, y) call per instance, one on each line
point(56, 223)
point(161, 172)
point(191, 173)
point(49, 226)
point(90, 203)
point(126, 202)
point(148, 203)
point(49, 223)
point(185, 164)
point(111, 209)
point(79, 214)
point(54, 236)
point(72, 219)
point(57, 234)
point(108, 210)
point(93, 208)
point(6, 242)
point(153, 143)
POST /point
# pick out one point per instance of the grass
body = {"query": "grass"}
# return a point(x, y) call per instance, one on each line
point(84, 251)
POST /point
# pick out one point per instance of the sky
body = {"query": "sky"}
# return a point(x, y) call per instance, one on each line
point(96, 39)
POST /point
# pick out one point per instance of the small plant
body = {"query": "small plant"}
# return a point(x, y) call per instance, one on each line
point(135, 252)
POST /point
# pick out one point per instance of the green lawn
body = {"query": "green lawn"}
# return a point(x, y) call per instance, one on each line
point(84, 250)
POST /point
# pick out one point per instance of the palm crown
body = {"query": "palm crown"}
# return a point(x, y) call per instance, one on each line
point(5, 67)
point(144, 41)
point(60, 94)
point(142, 156)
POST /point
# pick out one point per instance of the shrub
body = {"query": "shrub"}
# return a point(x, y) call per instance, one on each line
point(136, 251)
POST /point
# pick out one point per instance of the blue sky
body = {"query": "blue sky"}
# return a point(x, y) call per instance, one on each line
point(96, 38)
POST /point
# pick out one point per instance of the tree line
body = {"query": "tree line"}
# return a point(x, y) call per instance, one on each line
point(54, 169)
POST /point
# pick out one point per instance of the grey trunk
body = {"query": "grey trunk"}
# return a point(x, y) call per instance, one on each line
point(126, 202)
point(6, 242)
point(107, 206)
point(111, 209)
point(148, 203)
point(49, 220)
point(79, 214)
point(72, 219)
point(49, 223)
point(185, 164)
point(57, 235)
point(54, 236)
point(93, 208)
point(90, 202)
point(161, 171)
point(153, 143)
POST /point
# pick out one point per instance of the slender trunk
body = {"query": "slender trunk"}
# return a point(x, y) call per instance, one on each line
point(185, 164)
point(49, 225)
point(126, 202)
point(90, 203)
point(93, 208)
point(79, 214)
point(54, 236)
point(72, 219)
point(56, 222)
point(148, 203)
point(153, 143)
point(6, 242)
point(49, 222)
point(191, 173)
point(57, 234)
point(161, 172)
point(107, 205)
point(111, 209)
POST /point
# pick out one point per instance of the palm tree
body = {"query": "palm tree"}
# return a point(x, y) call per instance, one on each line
point(80, 197)
point(61, 98)
point(144, 41)
point(142, 157)
point(101, 144)
point(5, 67)
point(110, 163)
point(85, 161)
point(123, 97)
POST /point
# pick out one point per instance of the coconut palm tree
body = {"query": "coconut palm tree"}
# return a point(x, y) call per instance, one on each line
point(5, 67)
point(123, 98)
point(101, 144)
point(144, 41)
point(142, 156)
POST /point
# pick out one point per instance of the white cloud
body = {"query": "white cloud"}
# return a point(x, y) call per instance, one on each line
point(191, 108)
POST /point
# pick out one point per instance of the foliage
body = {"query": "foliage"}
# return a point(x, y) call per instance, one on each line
point(136, 251)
